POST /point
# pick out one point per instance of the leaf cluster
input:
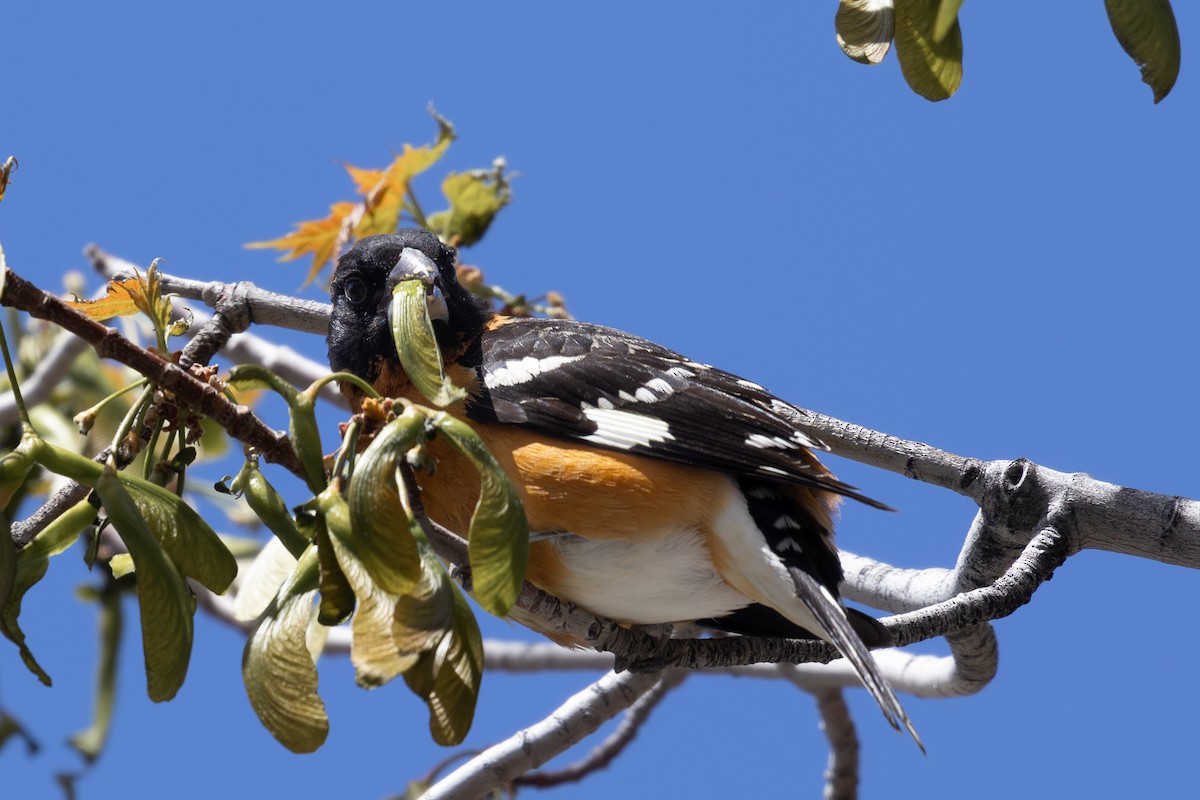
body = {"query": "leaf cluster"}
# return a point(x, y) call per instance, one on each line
point(387, 201)
point(929, 41)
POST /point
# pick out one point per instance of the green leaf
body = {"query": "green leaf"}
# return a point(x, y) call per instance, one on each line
point(337, 595)
point(32, 562)
point(412, 332)
point(1146, 30)
point(269, 506)
point(193, 546)
point(302, 418)
point(864, 29)
point(260, 583)
point(378, 531)
point(277, 668)
point(90, 742)
point(498, 545)
point(373, 651)
point(475, 199)
point(426, 614)
point(932, 68)
point(947, 15)
point(164, 601)
point(195, 549)
point(448, 677)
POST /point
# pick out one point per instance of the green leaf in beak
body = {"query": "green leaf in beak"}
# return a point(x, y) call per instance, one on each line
point(412, 331)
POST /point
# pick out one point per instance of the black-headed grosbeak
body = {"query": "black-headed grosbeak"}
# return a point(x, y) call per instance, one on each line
point(658, 489)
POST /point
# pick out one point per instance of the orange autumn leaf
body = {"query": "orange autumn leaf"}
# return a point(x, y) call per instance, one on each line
point(364, 179)
point(123, 299)
point(315, 236)
point(383, 191)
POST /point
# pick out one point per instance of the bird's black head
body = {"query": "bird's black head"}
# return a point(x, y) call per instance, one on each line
point(360, 333)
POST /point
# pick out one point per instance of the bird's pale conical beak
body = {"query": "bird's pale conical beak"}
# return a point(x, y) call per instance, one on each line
point(415, 265)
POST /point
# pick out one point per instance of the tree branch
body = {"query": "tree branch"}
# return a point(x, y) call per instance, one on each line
point(45, 378)
point(239, 421)
point(261, 306)
point(841, 773)
point(528, 749)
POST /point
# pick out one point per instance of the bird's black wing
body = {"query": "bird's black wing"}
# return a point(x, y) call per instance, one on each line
point(617, 391)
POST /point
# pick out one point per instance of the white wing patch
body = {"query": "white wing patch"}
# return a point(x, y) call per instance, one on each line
point(788, 543)
point(762, 441)
point(521, 370)
point(786, 522)
point(625, 429)
point(651, 391)
point(792, 413)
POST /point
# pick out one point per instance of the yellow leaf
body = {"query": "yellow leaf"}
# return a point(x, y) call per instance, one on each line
point(314, 236)
point(385, 190)
point(121, 300)
point(412, 161)
point(364, 179)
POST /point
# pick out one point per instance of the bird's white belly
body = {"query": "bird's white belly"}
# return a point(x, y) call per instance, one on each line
point(654, 579)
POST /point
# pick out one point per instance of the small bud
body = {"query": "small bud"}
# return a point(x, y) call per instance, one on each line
point(84, 420)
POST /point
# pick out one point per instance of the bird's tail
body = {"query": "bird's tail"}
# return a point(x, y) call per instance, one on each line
point(832, 617)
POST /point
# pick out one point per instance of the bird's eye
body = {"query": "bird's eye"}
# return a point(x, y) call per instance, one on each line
point(356, 291)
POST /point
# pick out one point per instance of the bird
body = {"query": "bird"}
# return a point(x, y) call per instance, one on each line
point(658, 489)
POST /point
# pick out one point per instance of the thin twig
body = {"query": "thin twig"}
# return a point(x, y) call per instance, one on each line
point(614, 744)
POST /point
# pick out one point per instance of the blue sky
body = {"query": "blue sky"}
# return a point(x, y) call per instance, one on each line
point(1009, 273)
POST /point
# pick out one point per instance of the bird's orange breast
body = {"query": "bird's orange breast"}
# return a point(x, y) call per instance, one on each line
point(572, 488)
